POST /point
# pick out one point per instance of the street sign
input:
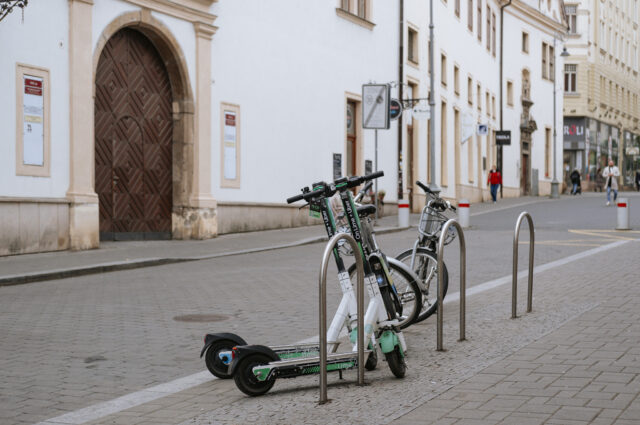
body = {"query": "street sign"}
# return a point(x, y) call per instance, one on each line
point(483, 129)
point(420, 112)
point(375, 106)
point(503, 137)
point(395, 109)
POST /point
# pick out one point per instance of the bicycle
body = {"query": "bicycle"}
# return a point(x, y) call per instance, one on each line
point(423, 257)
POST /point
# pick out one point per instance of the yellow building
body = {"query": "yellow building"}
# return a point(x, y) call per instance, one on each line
point(601, 87)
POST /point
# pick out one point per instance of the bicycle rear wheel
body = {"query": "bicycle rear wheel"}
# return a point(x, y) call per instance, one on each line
point(408, 291)
point(425, 267)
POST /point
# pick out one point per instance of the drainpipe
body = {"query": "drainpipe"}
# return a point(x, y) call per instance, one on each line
point(501, 86)
point(400, 82)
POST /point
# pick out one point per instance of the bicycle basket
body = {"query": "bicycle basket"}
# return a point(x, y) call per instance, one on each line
point(431, 223)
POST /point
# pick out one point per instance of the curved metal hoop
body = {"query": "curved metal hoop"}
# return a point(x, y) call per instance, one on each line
point(463, 280)
point(514, 280)
point(323, 310)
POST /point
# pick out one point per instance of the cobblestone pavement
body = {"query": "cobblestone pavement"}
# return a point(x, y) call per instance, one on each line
point(71, 343)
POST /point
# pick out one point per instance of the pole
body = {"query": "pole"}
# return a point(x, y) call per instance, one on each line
point(554, 182)
point(400, 94)
point(501, 88)
point(376, 170)
point(432, 108)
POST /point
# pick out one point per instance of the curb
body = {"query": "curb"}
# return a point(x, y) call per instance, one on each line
point(19, 279)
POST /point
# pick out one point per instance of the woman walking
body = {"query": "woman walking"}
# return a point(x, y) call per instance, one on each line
point(495, 180)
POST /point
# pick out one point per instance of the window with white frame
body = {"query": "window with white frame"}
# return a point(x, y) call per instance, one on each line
point(412, 46)
point(479, 18)
point(570, 78)
point(572, 18)
point(470, 15)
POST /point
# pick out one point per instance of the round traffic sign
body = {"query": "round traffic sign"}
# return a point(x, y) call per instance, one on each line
point(395, 109)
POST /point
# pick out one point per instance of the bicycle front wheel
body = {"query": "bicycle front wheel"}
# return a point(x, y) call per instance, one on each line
point(408, 291)
point(425, 267)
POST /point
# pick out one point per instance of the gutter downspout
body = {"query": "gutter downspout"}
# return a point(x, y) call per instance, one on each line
point(501, 86)
point(400, 83)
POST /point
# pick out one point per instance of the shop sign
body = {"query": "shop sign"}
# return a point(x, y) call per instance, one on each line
point(574, 130)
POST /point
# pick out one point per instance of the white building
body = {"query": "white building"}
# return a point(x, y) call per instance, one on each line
point(467, 93)
point(186, 119)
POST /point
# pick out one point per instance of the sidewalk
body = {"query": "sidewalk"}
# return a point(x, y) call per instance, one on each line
point(113, 256)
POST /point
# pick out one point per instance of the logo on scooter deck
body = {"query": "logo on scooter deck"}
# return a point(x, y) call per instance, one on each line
point(330, 367)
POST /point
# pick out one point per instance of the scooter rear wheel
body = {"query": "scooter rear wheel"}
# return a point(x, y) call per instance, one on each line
point(246, 381)
point(212, 360)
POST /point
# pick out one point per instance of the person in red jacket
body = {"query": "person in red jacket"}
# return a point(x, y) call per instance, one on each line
point(495, 180)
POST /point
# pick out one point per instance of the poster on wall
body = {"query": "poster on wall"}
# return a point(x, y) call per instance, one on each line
point(33, 121)
point(230, 153)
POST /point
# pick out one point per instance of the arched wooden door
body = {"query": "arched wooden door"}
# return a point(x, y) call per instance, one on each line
point(133, 140)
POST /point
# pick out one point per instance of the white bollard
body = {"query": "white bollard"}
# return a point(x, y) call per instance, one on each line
point(403, 213)
point(463, 213)
point(623, 214)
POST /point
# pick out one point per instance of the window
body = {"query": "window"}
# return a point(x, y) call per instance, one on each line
point(547, 151)
point(457, 8)
point(545, 51)
point(456, 80)
point(487, 100)
point(479, 18)
point(570, 76)
point(354, 9)
point(488, 28)
point(412, 46)
point(33, 121)
point(479, 97)
point(470, 90)
point(443, 70)
point(444, 180)
point(571, 12)
point(230, 146)
point(493, 34)
point(470, 15)
point(493, 106)
point(552, 64)
point(509, 93)
point(525, 42)
point(362, 9)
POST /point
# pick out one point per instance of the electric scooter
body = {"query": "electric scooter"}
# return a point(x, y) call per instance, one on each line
point(255, 368)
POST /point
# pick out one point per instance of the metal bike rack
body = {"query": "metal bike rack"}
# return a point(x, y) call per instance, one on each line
point(514, 281)
point(323, 310)
point(463, 280)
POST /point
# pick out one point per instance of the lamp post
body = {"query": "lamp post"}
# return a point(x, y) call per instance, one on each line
point(554, 183)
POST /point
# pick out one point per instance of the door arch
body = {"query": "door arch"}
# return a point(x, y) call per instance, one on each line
point(133, 139)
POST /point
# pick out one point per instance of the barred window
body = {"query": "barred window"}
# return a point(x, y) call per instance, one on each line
point(570, 77)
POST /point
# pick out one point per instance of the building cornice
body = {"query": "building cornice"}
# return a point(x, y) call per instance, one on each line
point(196, 11)
point(543, 22)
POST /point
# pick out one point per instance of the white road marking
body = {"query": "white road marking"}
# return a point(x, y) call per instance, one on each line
point(101, 410)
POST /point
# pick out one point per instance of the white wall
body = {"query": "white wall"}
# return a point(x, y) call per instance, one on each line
point(288, 65)
point(41, 41)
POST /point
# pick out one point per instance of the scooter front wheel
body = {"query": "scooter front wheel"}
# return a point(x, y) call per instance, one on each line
point(396, 362)
point(213, 361)
point(246, 381)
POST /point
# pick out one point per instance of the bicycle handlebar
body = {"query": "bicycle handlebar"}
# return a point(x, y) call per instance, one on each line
point(423, 187)
point(329, 190)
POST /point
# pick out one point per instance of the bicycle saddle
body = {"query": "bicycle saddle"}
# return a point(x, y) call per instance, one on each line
point(365, 210)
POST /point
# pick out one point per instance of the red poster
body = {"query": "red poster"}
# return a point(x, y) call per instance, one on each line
point(33, 87)
point(230, 119)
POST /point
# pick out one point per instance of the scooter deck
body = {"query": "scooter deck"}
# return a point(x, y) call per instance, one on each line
point(307, 365)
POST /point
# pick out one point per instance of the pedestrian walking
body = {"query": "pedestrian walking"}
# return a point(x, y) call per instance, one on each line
point(575, 181)
point(611, 174)
point(638, 180)
point(494, 180)
point(599, 180)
